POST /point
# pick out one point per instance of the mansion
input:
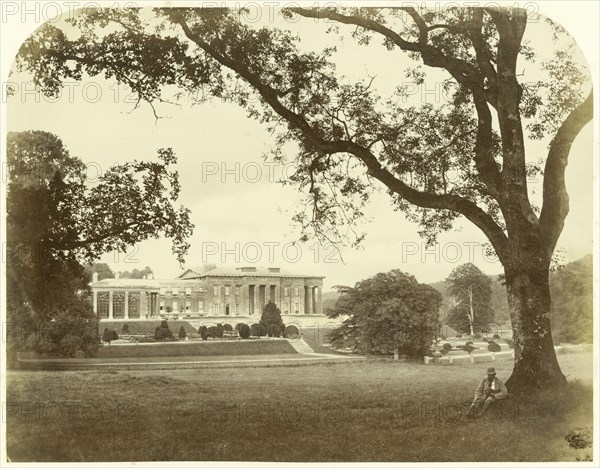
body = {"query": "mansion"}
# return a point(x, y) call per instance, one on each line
point(221, 292)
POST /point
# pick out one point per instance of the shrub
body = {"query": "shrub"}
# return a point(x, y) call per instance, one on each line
point(164, 334)
point(580, 437)
point(244, 331)
point(164, 324)
point(469, 348)
point(291, 331)
point(494, 347)
point(256, 329)
point(109, 335)
point(211, 332)
point(182, 334)
point(219, 331)
point(469, 343)
point(237, 326)
point(496, 336)
point(510, 343)
point(447, 346)
point(125, 329)
point(227, 327)
point(203, 332)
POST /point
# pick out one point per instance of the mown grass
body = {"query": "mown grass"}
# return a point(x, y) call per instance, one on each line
point(377, 410)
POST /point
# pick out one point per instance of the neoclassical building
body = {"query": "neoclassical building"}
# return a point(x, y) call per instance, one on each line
point(221, 292)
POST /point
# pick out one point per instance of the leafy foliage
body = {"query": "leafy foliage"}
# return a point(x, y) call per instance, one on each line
point(270, 320)
point(386, 313)
point(469, 287)
point(572, 302)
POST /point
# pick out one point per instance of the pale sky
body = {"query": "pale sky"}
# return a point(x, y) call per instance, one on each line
point(234, 217)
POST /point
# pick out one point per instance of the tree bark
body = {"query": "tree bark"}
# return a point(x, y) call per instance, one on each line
point(529, 300)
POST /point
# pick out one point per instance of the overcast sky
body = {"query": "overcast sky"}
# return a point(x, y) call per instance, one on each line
point(234, 217)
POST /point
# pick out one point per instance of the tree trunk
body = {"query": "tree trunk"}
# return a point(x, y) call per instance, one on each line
point(529, 299)
point(471, 313)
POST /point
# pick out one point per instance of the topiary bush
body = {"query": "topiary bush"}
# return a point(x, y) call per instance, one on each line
point(469, 348)
point(211, 332)
point(227, 327)
point(494, 347)
point(125, 329)
point(164, 334)
point(256, 329)
point(469, 343)
point(291, 331)
point(182, 333)
point(496, 336)
point(109, 334)
point(244, 331)
point(219, 331)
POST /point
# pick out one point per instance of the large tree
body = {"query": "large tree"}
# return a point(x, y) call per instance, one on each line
point(471, 292)
point(463, 155)
point(388, 313)
point(57, 222)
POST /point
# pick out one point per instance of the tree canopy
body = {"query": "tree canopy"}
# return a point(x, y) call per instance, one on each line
point(56, 221)
point(386, 313)
point(471, 292)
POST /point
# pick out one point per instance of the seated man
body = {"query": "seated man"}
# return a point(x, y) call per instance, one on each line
point(490, 390)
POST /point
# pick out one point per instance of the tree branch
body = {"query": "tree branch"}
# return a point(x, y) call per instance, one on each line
point(555, 198)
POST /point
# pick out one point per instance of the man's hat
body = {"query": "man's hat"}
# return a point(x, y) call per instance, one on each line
point(491, 371)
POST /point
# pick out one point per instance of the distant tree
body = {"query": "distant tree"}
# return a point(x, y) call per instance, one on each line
point(182, 334)
point(572, 308)
point(102, 269)
point(164, 334)
point(203, 332)
point(271, 320)
point(387, 313)
point(136, 274)
point(471, 292)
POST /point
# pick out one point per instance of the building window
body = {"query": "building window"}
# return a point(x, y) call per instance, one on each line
point(285, 311)
point(175, 306)
point(118, 304)
point(102, 304)
point(175, 292)
point(237, 290)
point(227, 288)
point(162, 306)
point(133, 304)
point(215, 291)
point(296, 291)
point(201, 306)
point(163, 291)
point(188, 306)
point(188, 292)
point(215, 309)
point(297, 308)
point(237, 309)
point(227, 309)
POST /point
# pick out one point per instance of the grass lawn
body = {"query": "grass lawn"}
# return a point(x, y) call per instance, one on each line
point(374, 410)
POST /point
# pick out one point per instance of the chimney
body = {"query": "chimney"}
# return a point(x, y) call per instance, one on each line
point(94, 277)
point(117, 275)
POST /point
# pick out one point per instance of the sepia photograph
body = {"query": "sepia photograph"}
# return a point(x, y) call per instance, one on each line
point(297, 233)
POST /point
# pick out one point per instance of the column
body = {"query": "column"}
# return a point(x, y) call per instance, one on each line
point(110, 304)
point(277, 298)
point(95, 293)
point(309, 299)
point(126, 305)
point(319, 300)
